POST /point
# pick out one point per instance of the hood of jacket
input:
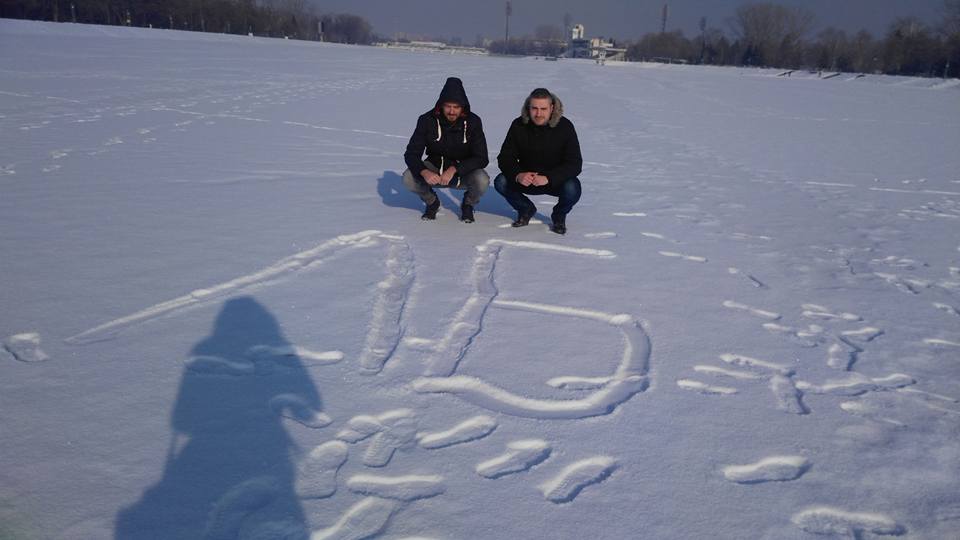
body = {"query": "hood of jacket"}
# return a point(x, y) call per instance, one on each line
point(554, 117)
point(453, 92)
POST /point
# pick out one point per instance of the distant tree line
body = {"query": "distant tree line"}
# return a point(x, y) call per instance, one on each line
point(766, 34)
point(770, 35)
point(763, 34)
point(547, 40)
point(277, 18)
point(527, 47)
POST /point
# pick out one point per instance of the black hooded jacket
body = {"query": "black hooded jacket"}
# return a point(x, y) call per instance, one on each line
point(460, 143)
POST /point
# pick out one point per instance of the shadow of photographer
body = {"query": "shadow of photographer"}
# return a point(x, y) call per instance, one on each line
point(230, 462)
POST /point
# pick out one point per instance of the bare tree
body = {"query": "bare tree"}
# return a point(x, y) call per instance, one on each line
point(910, 48)
point(951, 17)
point(950, 31)
point(703, 39)
point(717, 47)
point(346, 28)
point(772, 34)
point(665, 46)
point(864, 55)
point(831, 50)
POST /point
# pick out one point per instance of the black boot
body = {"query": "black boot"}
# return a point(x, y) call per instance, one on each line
point(523, 218)
point(466, 213)
point(559, 223)
point(431, 212)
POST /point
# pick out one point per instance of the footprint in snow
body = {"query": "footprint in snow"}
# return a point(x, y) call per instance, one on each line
point(25, 347)
point(771, 469)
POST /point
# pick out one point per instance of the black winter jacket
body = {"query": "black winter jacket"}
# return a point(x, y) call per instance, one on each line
point(444, 142)
point(551, 151)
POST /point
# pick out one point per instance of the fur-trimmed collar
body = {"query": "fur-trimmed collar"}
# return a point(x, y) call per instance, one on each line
point(554, 117)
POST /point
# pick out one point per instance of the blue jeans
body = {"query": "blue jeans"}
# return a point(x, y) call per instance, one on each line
point(567, 192)
point(475, 183)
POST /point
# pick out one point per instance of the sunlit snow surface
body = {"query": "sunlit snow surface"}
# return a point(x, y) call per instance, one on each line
point(221, 316)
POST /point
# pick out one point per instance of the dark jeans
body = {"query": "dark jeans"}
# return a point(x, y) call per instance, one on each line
point(475, 183)
point(567, 192)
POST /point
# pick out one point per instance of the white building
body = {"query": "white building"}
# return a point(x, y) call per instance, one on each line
point(597, 48)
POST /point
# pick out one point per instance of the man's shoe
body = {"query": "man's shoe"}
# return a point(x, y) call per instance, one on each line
point(466, 213)
point(431, 212)
point(522, 220)
point(559, 223)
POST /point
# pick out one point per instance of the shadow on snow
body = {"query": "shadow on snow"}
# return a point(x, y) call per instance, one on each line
point(230, 460)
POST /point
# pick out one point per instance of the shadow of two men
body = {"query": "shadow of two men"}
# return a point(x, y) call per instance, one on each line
point(394, 194)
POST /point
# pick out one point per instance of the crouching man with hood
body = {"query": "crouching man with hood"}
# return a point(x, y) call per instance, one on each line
point(540, 155)
point(456, 152)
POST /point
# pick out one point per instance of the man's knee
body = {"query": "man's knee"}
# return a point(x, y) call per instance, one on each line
point(571, 189)
point(478, 180)
point(409, 180)
point(500, 183)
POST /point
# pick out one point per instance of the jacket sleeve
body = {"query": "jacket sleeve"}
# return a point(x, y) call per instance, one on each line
point(415, 147)
point(572, 162)
point(509, 158)
point(478, 149)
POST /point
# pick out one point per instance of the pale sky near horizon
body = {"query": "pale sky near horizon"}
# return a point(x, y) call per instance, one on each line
point(619, 19)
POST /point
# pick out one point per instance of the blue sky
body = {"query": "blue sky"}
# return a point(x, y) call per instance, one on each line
point(623, 19)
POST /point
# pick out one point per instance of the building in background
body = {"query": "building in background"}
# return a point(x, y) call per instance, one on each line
point(596, 48)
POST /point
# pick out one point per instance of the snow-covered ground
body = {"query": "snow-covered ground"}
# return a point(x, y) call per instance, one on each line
point(223, 318)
